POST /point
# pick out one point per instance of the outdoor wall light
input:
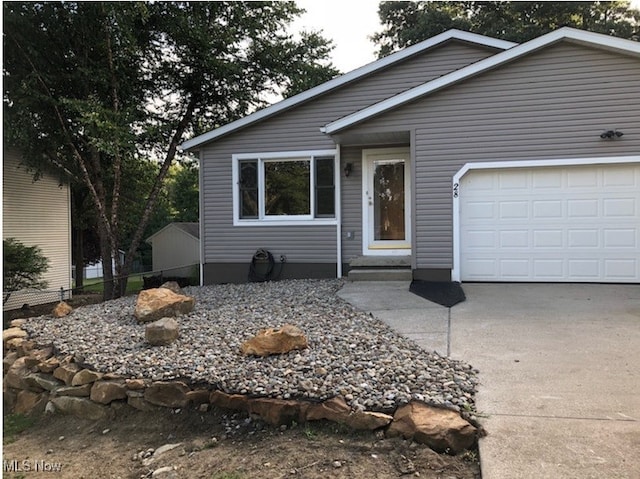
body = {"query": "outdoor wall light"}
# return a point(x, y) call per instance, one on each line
point(611, 134)
point(348, 168)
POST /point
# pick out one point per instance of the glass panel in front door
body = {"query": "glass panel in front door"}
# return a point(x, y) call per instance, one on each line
point(388, 200)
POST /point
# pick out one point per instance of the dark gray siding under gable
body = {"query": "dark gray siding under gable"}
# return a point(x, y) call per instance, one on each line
point(548, 105)
point(299, 129)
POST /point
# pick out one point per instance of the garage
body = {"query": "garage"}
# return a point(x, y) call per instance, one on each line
point(547, 223)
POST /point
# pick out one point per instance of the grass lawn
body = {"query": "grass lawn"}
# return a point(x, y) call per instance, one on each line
point(96, 285)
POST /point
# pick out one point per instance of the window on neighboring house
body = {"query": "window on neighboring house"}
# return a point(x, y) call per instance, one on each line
point(274, 187)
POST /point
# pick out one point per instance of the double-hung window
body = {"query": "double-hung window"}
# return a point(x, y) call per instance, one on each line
point(284, 187)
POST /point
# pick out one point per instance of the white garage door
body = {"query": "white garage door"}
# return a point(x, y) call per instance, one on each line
point(556, 224)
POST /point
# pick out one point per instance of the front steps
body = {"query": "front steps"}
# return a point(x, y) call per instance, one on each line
point(380, 268)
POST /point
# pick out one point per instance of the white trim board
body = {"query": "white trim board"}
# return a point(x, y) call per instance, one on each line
point(497, 165)
point(343, 80)
point(565, 33)
point(338, 207)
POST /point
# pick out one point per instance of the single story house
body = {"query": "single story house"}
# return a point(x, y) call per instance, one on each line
point(175, 249)
point(461, 158)
point(37, 213)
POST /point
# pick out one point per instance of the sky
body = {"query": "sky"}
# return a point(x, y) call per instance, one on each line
point(348, 23)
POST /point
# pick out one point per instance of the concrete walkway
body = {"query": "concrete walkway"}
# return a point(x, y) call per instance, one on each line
point(559, 370)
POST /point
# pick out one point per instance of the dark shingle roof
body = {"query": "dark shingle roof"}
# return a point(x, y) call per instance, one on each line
point(191, 228)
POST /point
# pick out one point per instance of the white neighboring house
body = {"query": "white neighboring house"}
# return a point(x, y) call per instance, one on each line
point(176, 250)
point(37, 214)
point(94, 270)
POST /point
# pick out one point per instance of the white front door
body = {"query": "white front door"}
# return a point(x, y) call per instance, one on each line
point(386, 206)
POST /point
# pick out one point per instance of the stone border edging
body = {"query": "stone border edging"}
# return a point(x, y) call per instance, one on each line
point(36, 380)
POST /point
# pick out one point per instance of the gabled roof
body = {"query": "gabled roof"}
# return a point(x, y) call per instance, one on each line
point(192, 229)
point(565, 33)
point(343, 80)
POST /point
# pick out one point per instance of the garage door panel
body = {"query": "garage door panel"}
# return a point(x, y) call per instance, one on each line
point(514, 239)
point(620, 176)
point(584, 268)
point(620, 238)
point(549, 269)
point(547, 209)
point(548, 239)
point(582, 178)
point(547, 179)
point(574, 223)
point(622, 269)
point(514, 269)
point(583, 238)
point(518, 210)
point(620, 207)
point(479, 268)
point(510, 180)
point(582, 208)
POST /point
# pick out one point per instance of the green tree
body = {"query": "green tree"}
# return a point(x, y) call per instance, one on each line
point(95, 89)
point(23, 267)
point(184, 195)
point(407, 23)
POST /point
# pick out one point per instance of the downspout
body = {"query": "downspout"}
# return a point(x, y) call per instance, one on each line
point(338, 193)
point(200, 217)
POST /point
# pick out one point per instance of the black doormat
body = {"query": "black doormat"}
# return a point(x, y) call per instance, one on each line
point(445, 293)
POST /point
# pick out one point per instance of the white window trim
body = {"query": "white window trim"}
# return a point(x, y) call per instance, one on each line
point(301, 220)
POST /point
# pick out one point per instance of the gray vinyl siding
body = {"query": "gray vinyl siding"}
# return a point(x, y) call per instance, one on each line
point(299, 129)
point(352, 204)
point(549, 105)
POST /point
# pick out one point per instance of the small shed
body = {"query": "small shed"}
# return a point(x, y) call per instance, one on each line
point(176, 250)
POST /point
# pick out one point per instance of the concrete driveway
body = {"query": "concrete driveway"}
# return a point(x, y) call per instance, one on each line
point(559, 370)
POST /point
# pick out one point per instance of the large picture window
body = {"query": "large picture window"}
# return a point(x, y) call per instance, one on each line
point(283, 187)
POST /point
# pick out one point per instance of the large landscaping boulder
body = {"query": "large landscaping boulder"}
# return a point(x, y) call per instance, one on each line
point(161, 332)
point(275, 341)
point(62, 309)
point(80, 407)
point(440, 429)
point(167, 394)
point(158, 303)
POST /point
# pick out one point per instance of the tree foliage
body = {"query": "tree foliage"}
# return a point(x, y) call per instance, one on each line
point(23, 266)
point(183, 194)
point(407, 23)
point(102, 90)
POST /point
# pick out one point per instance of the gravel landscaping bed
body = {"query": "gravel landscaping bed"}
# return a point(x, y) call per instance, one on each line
point(350, 353)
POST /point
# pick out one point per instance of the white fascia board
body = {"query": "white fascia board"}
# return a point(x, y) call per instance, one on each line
point(344, 79)
point(565, 33)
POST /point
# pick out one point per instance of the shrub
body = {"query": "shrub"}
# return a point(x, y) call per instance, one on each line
point(23, 266)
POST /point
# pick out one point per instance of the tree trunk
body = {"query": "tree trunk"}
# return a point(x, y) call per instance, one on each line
point(78, 258)
point(107, 266)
